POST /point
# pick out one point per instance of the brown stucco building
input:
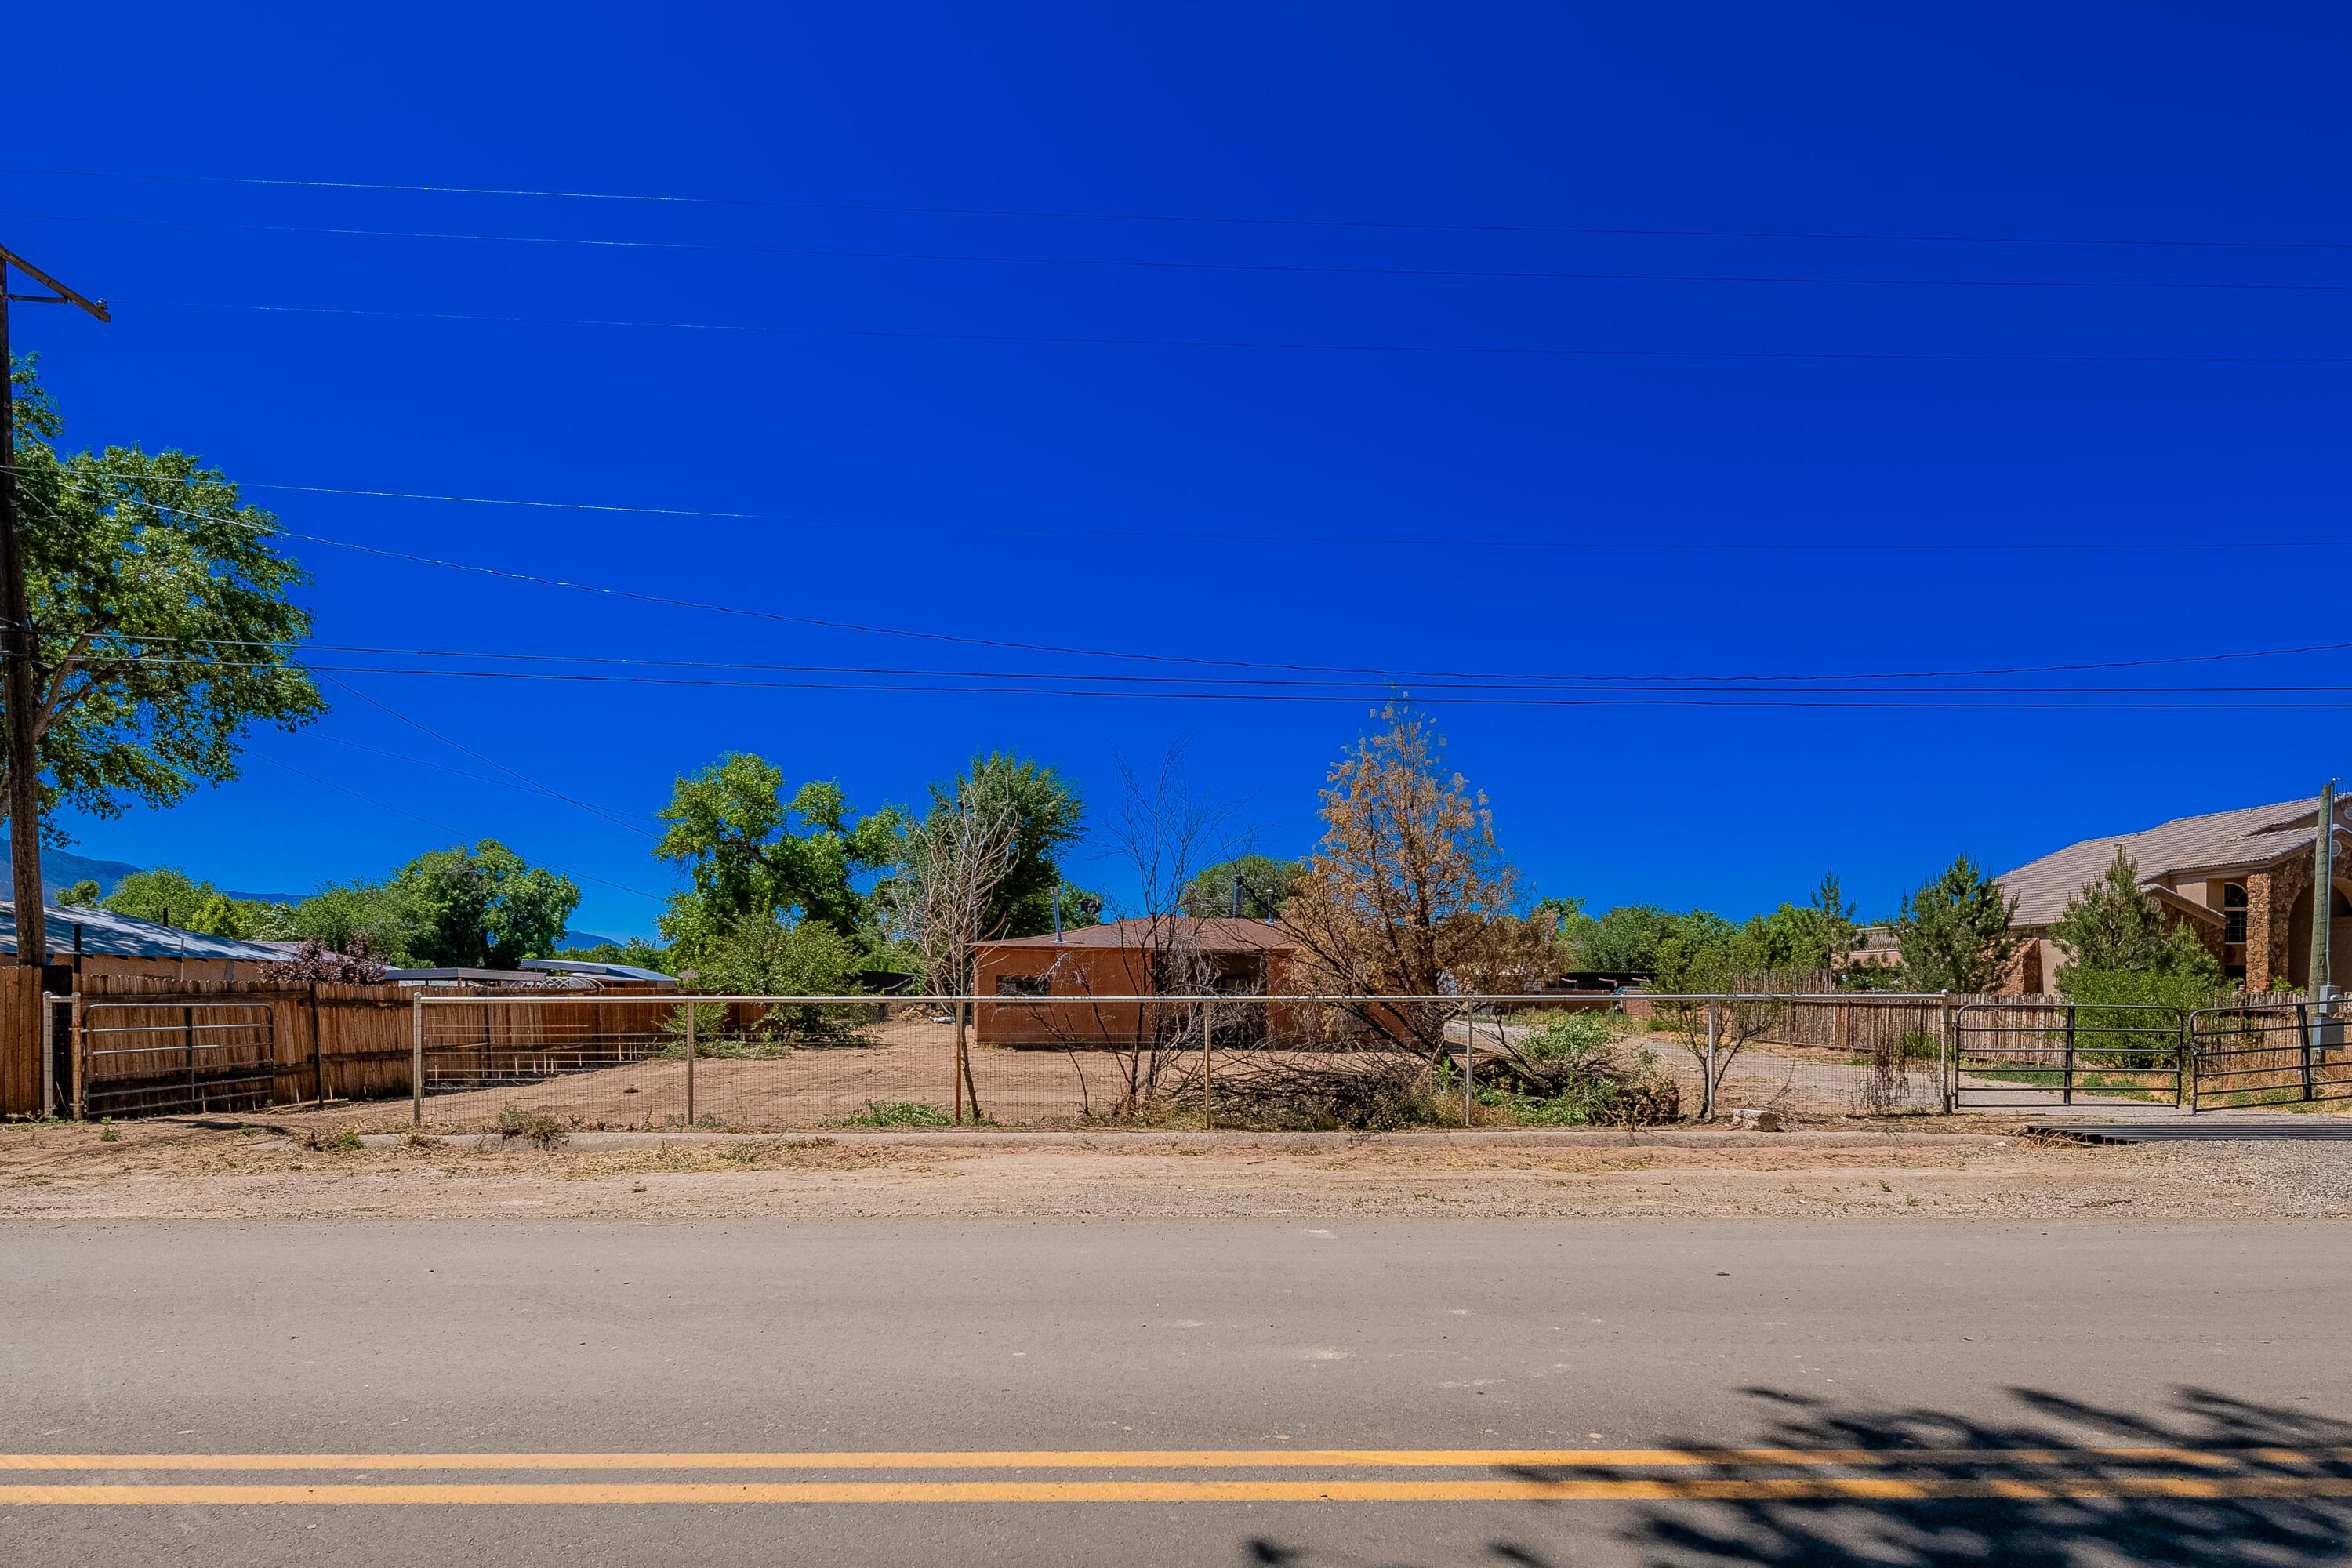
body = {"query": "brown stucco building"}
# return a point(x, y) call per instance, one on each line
point(1050, 981)
point(2240, 879)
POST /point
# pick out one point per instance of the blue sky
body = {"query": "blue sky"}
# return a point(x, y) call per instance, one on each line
point(1400, 510)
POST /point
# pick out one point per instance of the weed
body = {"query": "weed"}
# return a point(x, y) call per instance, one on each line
point(531, 1126)
point(107, 1131)
point(417, 1138)
point(341, 1141)
point(898, 1113)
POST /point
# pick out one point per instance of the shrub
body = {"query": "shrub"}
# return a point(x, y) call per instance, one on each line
point(533, 1126)
point(899, 1113)
point(1568, 1074)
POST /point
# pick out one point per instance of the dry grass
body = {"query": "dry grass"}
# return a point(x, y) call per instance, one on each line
point(730, 1154)
point(160, 1170)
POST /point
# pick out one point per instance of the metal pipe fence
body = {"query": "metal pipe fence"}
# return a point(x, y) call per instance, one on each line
point(2037, 1053)
point(135, 1059)
point(506, 1062)
point(2277, 1055)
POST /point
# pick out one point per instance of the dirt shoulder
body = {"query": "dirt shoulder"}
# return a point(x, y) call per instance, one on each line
point(264, 1171)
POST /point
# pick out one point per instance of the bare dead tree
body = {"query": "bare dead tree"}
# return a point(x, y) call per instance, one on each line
point(949, 867)
point(1408, 894)
point(1164, 831)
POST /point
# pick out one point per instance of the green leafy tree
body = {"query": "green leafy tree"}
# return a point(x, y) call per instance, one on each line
point(1625, 940)
point(758, 955)
point(362, 920)
point(1954, 931)
point(166, 895)
point(267, 922)
point(1817, 935)
point(159, 604)
point(750, 851)
point(484, 908)
point(220, 915)
point(1048, 816)
point(1266, 885)
point(169, 896)
point(82, 895)
point(635, 954)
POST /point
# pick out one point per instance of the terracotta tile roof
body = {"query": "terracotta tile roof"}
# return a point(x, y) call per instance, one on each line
point(2251, 836)
point(1220, 933)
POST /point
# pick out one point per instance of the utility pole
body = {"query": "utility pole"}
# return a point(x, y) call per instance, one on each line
point(2323, 900)
point(18, 643)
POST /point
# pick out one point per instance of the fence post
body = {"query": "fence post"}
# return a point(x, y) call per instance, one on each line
point(49, 1056)
point(689, 1061)
point(318, 1048)
point(2302, 1029)
point(2183, 1058)
point(1208, 1066)
point(80, 1048)
point(1469, 1062)
point(1948, 1053)
point(961, 1069)
point(416, 1060)
point(2067, 1094)
point(1707, 1094)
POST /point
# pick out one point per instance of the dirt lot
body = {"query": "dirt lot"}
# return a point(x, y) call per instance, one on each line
point(1980, 1169)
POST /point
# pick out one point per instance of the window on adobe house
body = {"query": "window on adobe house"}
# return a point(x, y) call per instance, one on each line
point(2233, 911)
point(1024, 985)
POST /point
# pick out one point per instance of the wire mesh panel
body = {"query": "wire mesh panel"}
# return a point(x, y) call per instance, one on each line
point(156, 1058)
point(1802, 1054)
point(2066, 1053)
point(1211, 1059)
point(652, 1062)
point(2276, 1054)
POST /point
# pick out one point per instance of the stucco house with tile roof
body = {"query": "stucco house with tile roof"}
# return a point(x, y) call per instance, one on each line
point(2242, 879)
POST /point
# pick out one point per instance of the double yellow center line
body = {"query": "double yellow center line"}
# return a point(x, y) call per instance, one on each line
point(1509, 1475)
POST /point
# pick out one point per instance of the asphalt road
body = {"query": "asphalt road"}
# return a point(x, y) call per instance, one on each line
point(1493, 1392)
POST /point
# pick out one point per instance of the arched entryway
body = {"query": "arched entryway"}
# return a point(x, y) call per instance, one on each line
point(2339, 939)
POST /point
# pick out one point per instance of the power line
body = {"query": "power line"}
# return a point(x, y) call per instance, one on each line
point(1268, 344)
point(1189, 660)
point(1162, 264)
point(1099, 216)
point(1382, 677)
point(1323, 692)
point(2228, 698)
point(1640, 545)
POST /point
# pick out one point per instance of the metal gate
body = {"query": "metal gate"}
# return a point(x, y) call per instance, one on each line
point(2012, 1054)
point(2275, 1054)
point(158, 1058)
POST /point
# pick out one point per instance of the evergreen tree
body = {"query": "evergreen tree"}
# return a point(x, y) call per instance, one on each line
point(1955, 931)
point(2114, 926)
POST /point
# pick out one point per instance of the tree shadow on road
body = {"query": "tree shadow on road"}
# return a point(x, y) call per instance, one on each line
point(1864, 1532)
point(2214, 1533)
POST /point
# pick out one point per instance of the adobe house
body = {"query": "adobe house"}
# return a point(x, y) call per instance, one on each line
point(1123, 958)
point(2239, 879)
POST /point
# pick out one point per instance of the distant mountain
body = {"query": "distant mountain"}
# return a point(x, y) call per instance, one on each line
point(572, 939)
point(61, 868)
